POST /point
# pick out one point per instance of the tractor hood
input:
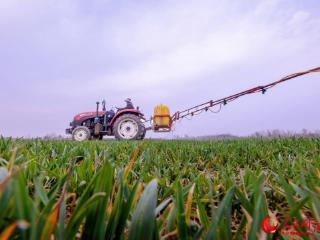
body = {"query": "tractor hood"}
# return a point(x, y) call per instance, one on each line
point(87, 115)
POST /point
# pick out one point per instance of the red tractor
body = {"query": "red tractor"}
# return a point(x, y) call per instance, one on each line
point(124, 123)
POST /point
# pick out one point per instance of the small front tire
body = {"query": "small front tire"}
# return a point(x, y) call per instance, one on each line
point(81, 133)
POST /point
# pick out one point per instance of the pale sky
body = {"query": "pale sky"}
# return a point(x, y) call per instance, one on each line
point(57, 57)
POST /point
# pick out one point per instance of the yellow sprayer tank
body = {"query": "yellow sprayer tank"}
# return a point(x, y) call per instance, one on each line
point(161, 117)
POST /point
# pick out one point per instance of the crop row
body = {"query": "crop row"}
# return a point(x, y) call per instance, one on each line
point(157, 189)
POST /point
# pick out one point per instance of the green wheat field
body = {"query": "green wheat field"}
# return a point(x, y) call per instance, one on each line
point(157, 189)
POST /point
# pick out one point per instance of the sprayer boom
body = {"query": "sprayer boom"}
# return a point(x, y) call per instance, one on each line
point(204, 107)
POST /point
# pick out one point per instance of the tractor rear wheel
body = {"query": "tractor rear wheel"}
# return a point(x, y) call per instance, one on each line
point(128, 127)
point(81, 133)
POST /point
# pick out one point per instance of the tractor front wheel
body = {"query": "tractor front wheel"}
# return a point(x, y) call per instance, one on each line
point(128, 127)
point(81, 133)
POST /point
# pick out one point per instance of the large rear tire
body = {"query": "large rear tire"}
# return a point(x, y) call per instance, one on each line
point(128, 127)
point(81, 133)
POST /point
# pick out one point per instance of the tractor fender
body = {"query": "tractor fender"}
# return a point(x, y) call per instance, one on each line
point(125, 111)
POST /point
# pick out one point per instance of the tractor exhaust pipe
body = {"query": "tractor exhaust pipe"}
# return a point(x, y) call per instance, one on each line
point(98, 125)
point(97, 111)
point(96, 119)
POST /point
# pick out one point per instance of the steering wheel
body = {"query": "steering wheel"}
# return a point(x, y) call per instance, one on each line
point(115, 109)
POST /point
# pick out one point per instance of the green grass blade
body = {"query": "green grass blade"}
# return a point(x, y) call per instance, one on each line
point(181, 214)
point(224, 205)
point(143, 219)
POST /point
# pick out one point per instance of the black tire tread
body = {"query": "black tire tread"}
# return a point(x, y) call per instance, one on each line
point(143, 134)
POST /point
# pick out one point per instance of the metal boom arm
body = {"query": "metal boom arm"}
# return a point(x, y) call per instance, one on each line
point(223, 101)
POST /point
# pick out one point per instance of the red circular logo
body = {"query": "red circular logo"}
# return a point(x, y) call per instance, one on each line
point(267, 227)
